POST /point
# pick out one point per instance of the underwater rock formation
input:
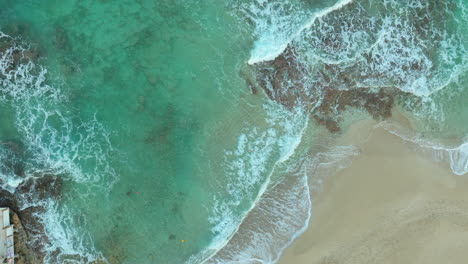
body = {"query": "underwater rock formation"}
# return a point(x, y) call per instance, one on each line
point(332, 91)
point(353, 58)
point(24, 252)
point(30, 238)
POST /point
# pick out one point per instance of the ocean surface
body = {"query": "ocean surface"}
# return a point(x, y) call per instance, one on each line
point(172, 144)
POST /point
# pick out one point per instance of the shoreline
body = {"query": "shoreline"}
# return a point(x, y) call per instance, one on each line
point(391, 205)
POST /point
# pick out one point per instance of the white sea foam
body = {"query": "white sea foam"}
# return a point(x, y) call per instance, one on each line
point(459, 159)
point(56, 142)
point(277, 27)
point(389, 48)
point(249, 168)
point(397, 51)
point(61, 147)
point(400, 51)
point(283, 212)
point(10, 160)
point(275, 22)
point(455, 156)
point(64, 236)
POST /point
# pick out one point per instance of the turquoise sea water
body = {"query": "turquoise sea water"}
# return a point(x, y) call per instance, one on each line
point(142, 107)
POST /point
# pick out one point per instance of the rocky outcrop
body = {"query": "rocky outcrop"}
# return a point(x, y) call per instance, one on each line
point(15, 52)
point(343, 60)
point(378, 104)
point(30, 237)
point(282, 79)
point(25, 254)
point(26, 201)
point(41, 187)
point(326, 90)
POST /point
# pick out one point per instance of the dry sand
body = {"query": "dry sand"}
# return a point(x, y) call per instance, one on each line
point(390, 206)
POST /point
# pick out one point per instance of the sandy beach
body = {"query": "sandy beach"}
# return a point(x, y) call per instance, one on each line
point(391, 205)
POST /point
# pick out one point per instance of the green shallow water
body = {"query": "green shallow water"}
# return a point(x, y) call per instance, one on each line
point(162, 146)
point(159, 76)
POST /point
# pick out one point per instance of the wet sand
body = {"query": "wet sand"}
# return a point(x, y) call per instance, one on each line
point(391, 205)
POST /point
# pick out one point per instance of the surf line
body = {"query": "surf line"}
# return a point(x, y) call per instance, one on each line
point(259, 196)
point(319, 14)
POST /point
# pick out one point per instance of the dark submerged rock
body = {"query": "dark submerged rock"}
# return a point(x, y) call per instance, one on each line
point(29, 233)
point(283, 81)
point(17, 52)
point(26, 201)
point(12, 158)
point(61, 39)
point(332, 90)
point(321, 72)
point(30, 237)
point(43, 187)
point(24, 253)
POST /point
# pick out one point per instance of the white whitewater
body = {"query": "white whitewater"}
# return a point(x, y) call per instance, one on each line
point(56, 145)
